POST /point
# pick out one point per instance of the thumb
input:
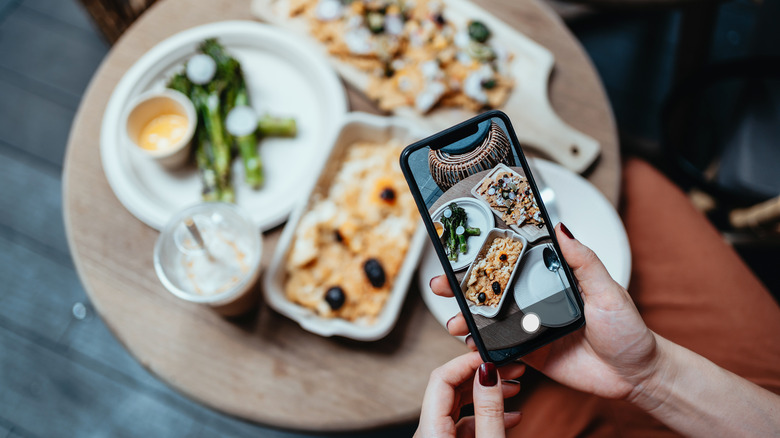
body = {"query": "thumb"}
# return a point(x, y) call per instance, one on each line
point(594, 280)
point(488, 403)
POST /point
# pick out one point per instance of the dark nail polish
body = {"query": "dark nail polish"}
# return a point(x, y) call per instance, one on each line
point(566, 231)
point(488, 376)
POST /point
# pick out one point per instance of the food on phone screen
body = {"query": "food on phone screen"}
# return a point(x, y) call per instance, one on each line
point(350, 244)
point(413, 53)
point(456, 231)
point(510, 195)
point(490, 275)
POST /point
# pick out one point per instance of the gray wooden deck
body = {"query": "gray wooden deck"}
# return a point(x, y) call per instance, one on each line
point(61, 372)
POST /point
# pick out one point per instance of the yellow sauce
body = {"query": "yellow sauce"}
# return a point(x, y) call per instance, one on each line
point(439, 228)
point(163, 131)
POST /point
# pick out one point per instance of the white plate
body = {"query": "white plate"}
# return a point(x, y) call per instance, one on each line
point(534, 281)
point(478, 216)
point(285, 77)
point(356, 127)
point(584, 210)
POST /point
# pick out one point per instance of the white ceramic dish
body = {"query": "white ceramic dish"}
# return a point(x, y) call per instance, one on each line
point(493, 234)
point(535, 282)
point(285, 77)
point(356, 127)
point(157, 103)
point(479, 216)
point(584, 210)
point(537, 290)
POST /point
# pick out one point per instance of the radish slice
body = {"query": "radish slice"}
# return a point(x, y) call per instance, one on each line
point(201, 69)
point(241, 121)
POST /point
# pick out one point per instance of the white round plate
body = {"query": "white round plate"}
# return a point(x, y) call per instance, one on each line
point(478, 216)
point(584, 210)
point(285, 77)
point(534, 281)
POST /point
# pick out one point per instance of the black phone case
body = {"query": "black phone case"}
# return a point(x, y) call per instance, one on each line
point(498, 356)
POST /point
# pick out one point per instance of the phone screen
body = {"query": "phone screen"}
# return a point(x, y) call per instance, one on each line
point(489, 226)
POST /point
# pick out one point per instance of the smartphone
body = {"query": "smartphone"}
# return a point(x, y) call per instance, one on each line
point(493, 235)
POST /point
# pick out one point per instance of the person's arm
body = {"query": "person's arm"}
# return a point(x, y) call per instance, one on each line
point(695, 397)
point(616, 356)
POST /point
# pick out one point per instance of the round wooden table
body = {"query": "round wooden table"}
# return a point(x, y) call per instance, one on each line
point(264, 367)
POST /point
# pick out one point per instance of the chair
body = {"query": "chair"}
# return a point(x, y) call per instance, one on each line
point(113, 17)
point(478, 152)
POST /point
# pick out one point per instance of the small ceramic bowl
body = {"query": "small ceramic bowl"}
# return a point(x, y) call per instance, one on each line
point(153, 104)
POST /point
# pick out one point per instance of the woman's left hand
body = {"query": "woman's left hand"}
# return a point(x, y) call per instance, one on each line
point(453, 385)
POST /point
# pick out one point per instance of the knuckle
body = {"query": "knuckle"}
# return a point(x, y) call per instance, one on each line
point(438, 374)
point(489, 408)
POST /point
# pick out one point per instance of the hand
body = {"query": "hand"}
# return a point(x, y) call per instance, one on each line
point(454, 385)
point(615, 352)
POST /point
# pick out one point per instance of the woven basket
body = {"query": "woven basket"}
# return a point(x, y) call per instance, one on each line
point(447, 170)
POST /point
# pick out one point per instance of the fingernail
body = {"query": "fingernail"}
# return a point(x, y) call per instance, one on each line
point(430, 282)
point(566, 231)
point(512, 382)
point(488, 376)
point(450, 320)
point(514, 413)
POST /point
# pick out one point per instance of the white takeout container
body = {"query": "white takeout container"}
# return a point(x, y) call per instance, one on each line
point(493, 234)
point(356, 127)
point(155, 103)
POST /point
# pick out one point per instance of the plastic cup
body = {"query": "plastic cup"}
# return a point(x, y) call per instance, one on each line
point(223, 272)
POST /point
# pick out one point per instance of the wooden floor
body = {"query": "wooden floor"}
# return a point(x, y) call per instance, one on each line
point(61, 372)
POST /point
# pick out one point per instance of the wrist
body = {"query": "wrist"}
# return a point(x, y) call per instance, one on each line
point(653, 389)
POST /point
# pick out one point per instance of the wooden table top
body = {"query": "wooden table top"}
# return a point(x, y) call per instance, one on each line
point(264, 367)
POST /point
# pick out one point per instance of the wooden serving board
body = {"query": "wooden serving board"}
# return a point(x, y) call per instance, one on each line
point(536, 124)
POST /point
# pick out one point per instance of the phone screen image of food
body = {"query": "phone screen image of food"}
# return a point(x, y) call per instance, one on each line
point(494, 235)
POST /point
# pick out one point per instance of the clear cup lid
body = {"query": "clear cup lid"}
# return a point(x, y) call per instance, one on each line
point(208, 253)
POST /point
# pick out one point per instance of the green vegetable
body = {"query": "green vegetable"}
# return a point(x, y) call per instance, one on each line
point(456, 231)
point(214, 149)
point(489, 84)
point(478, 31)
point(247, 145)
point(213, 185)
point(480, 52)
point(270, 126)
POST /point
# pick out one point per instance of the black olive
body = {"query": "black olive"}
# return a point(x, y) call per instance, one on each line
point(388, 194)
point(496, 287)
point(478, 31)
point(482, 297)
point(338, 236)
point(375, 272)
point(489, 84)
point(335, 297)
point(439, 18)
point(502, 257)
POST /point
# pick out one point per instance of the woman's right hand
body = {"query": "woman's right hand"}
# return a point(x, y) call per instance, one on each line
point(613, 355)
